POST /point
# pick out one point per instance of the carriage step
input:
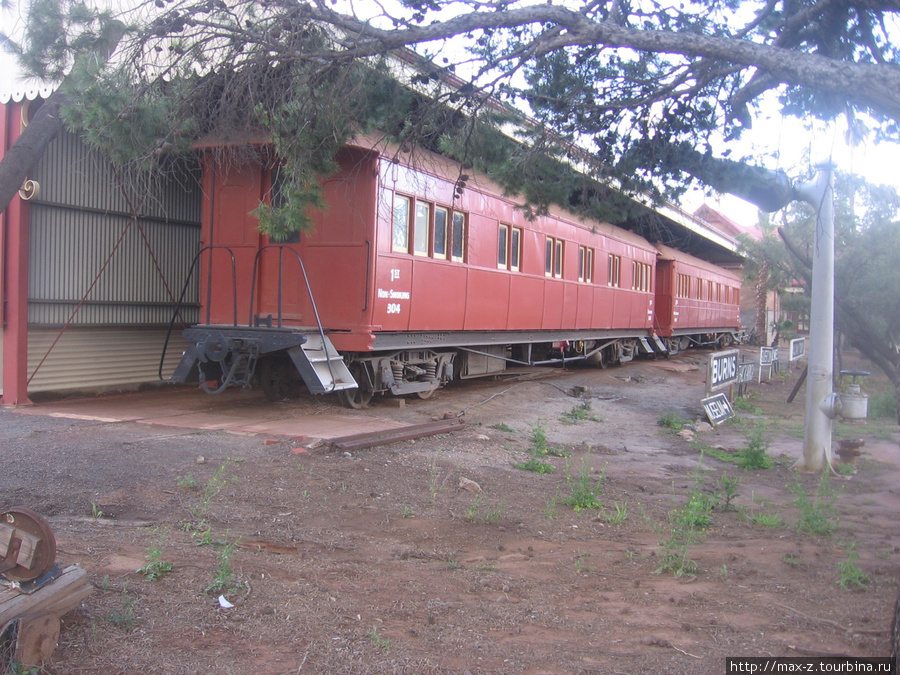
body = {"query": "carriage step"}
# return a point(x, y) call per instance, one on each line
point(323, 370)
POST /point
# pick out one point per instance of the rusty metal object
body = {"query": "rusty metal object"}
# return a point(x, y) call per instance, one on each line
point(27, 545)
point(375, 438)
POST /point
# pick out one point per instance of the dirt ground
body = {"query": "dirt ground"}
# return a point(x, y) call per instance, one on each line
point(387, 561)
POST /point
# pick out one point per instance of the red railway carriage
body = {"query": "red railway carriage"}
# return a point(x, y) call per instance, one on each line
point(406, 280)
point(696, 302)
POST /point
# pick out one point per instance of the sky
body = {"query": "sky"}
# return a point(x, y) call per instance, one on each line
point(777, 142)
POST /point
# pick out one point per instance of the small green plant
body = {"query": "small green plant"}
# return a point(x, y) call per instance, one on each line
point(767, 519)
point(585, 491)
point(845, 468)
point(223, 580)
point(792, 560)
point(212, 488)
point(551, 509)
point(620, 515)
point(535, 465)
point(581, 413)
point(851, 575)
point(407, 512)
point(727, 491)
point(743, 404)
point(502, 426)
point(187, 481)
point(377, 639)
point(817, 513)
point(688, 527)
point(581, 563)
point(156, 568)
point(671, 420)
point(475, 515)
point(753, 456)
point(538, 440)
point(124, 616)
point(96, 511)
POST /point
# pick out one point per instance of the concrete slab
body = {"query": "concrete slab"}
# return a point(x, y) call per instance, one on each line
point(232, 411)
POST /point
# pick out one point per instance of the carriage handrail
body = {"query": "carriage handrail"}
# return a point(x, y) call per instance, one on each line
point(184, 288)
point(281, 249)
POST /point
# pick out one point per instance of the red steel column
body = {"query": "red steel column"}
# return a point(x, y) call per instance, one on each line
point(15, 278)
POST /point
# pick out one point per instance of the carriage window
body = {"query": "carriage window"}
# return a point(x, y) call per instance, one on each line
point(614, 275)
point(683, 286)
point(585, 264)
point(401, 224)
point(640, 276)
point(509, 247)
point(503, 247)
point(458, 237)
point(420, 228)
point(440, 232)
point(515, 249)
point(558, 262)
point(548, 260)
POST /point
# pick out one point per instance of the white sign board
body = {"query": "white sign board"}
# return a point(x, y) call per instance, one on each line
point(798, 348)
point(718, 408)
point(723, 369)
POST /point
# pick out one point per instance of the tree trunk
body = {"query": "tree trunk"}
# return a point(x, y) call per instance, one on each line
point(28, 149)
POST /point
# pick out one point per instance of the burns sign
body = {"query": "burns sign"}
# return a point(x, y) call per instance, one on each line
point(723, 369)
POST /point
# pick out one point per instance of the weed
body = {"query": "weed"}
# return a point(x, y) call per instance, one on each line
point(817, 514)
point(538, 440)
point(580, 563)
point(792, 560)
point(620, 515)
point(743, 404)
point(124, 616)
point(580, 413)
point(671, 420)
point(754, 456)
point(551, 508)
point(845, 469)
point(407, 512)
point(688, 525)
point(156, 568)
point(96, 511)
point(851, 575)
point(377, 639)
point(723, 573)
point(213, 487)
point(501, 426)
point(728, 490)
point(474, 514)
point(187, 481)
point(224, 575)
point(584, 492)
point(535, 465)
point(767, 519)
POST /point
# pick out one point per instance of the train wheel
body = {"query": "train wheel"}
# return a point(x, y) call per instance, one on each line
point(274, 378)
point(355, 398)
point(426, 394)
point(360, 397)
point(727, 340)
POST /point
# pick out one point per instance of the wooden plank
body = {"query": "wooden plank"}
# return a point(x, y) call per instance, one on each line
point(37, 639)
point(58, 597)
point(375, 438)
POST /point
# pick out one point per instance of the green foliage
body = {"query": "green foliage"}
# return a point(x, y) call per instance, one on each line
point(753, 456)
point(687, 528)
point(535, 465)
point(671, 420)
point(476, 515)
point(585, 491)
point(580, 413)
point(727, 491)
point(817, 512)
point(156, 568)
point(223, 580)
point(851, 576)
point(502, 426)
point(882, 406)
point(377, 639)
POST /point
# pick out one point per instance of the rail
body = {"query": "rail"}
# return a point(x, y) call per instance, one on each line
point(184, 288)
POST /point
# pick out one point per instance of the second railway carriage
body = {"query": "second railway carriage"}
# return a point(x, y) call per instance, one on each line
point(697, 303)
point(413, 274)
